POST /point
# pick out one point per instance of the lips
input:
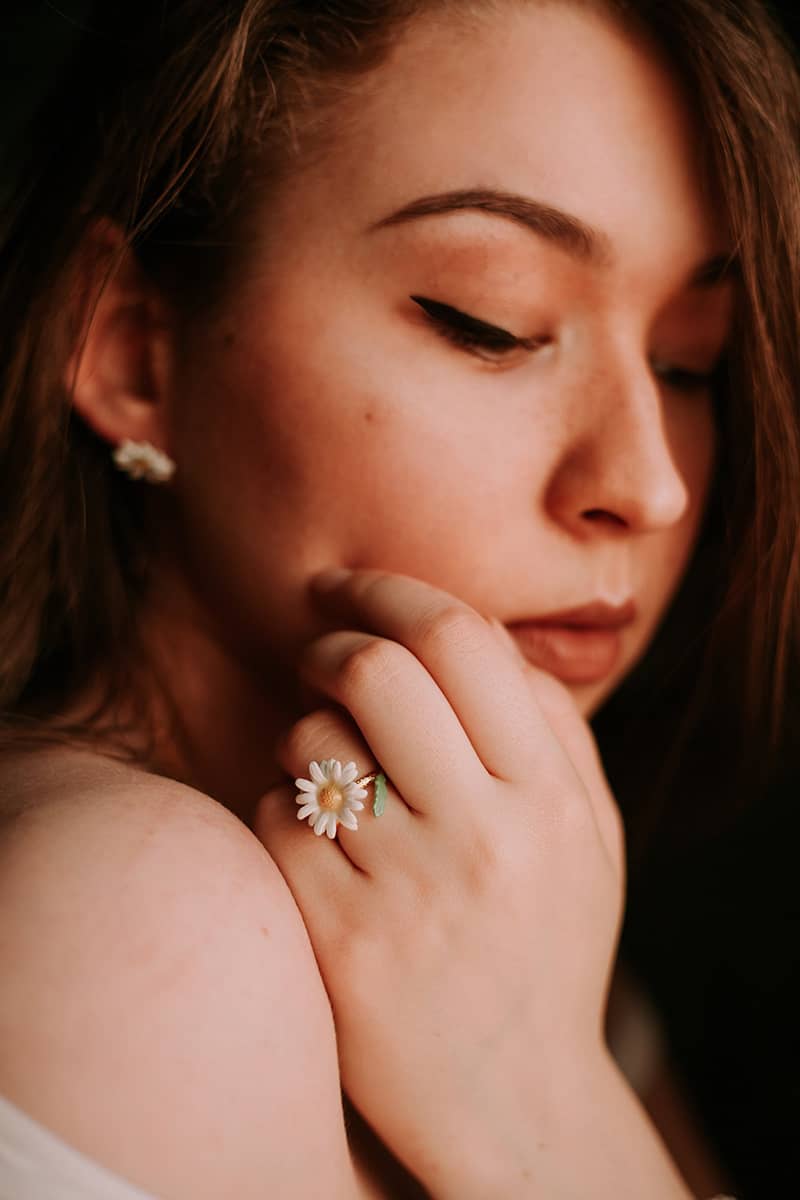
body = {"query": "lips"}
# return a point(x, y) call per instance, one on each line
point(579, 645)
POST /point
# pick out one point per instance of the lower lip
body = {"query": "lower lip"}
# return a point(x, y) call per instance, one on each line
point(574, 654)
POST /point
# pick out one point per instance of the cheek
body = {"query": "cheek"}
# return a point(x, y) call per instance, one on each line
point(272, 428)
point(321, 456)
point(693, 437)
point(665, 555)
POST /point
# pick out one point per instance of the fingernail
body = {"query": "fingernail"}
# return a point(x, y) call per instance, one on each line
point(330, 579)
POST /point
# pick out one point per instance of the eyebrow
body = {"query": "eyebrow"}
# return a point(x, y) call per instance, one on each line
point(574, 236)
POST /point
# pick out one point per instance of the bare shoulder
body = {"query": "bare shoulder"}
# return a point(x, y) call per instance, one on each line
point(161, 1008)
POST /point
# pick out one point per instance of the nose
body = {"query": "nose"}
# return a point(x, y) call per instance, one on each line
point(617, 470)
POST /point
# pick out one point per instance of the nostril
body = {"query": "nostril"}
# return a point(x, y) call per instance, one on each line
point(602, 515)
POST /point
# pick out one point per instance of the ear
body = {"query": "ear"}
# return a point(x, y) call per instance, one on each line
point(118, 375)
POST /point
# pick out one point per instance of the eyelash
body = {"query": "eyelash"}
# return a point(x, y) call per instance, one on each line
point(468, 333)
point(681, 380)
point(471, 334)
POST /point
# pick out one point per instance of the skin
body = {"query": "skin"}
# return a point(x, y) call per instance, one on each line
point(318, 420)
point(354, 435)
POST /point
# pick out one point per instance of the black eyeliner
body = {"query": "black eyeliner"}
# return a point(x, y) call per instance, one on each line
point(461, 320)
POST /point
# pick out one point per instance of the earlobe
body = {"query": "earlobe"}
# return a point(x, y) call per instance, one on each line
point(118, 374)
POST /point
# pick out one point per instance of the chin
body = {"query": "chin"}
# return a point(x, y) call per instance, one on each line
point(590, 697)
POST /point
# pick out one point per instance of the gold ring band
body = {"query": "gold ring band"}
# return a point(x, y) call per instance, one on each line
point(332, 796)
point(367, 779)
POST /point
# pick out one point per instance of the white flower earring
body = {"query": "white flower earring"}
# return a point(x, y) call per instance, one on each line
point(141, 460)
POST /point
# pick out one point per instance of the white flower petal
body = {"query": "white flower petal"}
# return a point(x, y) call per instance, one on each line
point(319, 823)
point(349, 772)
point(306, 811)
point(336, 770)
point(355, 805)
point(317, 773)
point(331, 830)
point(355, 793)
point(348, 819)
point(305, 785)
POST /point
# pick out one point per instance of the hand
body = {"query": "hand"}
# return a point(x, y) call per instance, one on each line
point(466, 936)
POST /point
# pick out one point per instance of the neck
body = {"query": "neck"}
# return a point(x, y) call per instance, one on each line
point(219, 713)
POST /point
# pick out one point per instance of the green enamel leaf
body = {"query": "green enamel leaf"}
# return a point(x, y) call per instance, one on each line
point(379, 804)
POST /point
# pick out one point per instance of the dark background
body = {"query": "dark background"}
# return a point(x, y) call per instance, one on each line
point(713, 926)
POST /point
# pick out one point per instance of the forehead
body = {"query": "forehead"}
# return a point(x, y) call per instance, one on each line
point(550, 100)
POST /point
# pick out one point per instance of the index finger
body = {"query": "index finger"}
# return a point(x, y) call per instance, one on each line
point(484, 684)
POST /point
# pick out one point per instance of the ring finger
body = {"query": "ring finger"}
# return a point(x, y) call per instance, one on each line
point(327, 734)
point(403, 715)
point(484, 681)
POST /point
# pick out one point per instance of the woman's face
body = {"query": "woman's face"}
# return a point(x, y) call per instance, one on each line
point(470, 346)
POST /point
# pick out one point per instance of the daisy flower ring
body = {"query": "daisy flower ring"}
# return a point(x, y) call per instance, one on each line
point(334, 794)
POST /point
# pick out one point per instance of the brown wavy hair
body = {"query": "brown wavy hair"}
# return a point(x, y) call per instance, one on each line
point(171, 121)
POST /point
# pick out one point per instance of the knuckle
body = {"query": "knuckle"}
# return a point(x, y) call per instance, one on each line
point(574, 817)
point(372, 663)
point(311, 734)
point(371, 584)
point(560, 800)
point(575, 809)
point(482, 862)
point(273, 814)
point(453, 627)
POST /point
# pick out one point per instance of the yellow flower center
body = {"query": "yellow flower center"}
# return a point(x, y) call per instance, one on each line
point(330, 797)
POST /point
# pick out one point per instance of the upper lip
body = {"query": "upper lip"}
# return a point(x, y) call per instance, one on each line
point(598, 614)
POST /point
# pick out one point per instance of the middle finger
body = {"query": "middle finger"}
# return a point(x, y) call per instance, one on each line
point(477, 672)
point(406, 720)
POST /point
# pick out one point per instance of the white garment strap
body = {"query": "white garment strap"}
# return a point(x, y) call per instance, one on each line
point(36, 1165)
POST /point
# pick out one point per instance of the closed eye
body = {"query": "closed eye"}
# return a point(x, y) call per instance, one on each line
point(681, 379)
point(471, 334)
